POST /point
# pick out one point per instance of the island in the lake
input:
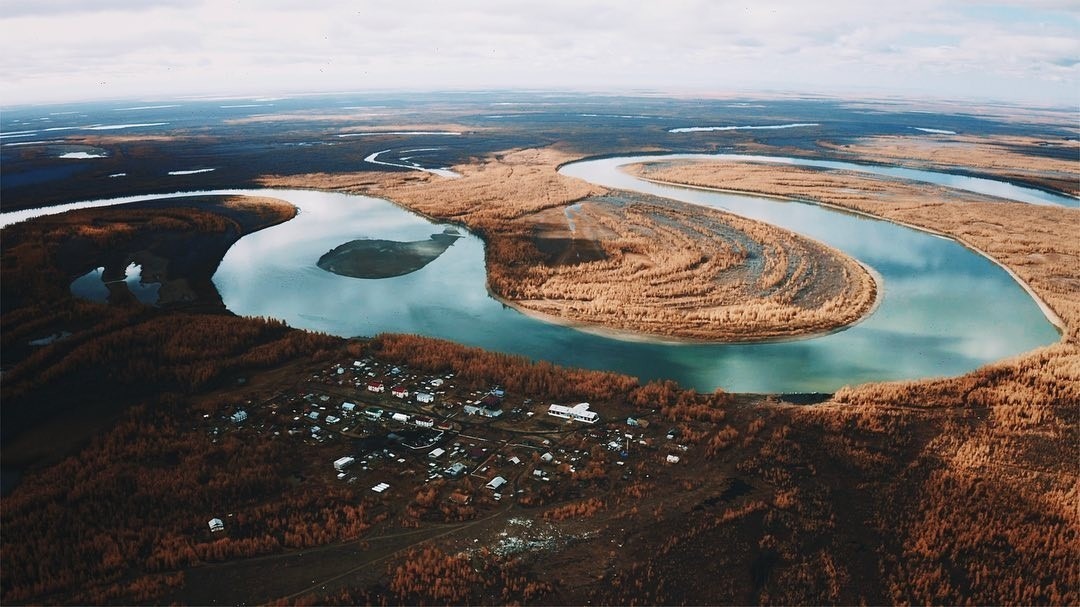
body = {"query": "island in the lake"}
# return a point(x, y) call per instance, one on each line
point(375, 258)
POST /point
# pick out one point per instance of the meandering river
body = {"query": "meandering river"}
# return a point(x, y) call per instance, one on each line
point(945, 309)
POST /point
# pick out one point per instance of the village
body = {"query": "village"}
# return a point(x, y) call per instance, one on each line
point(397, 433)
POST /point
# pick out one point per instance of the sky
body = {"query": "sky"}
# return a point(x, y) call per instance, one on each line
point(73, 50)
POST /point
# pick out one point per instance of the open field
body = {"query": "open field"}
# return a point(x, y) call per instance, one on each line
point(1048, 163)
point(652, 267)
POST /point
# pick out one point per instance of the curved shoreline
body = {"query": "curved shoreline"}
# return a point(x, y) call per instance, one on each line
point(650, 338)
point(1051, 316)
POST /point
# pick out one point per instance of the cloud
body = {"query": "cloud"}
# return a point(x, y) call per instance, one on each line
point(58, 48)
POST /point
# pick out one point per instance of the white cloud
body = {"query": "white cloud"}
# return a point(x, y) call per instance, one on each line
point(59, 49)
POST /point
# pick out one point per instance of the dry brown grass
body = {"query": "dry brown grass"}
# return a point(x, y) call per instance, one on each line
point(1037, 243)
point(1002, 156)
point(642, 266)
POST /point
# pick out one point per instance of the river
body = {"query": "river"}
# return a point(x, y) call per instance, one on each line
point(945, 309)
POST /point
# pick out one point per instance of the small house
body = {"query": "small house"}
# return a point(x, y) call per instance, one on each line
point(424, 397)
point(373, 413)
point(216, 525)
point(399, 392)
point(461, 499)
point(400, 417)
point(239, 417)
point(456, 470)
point(672, 459)
point(436, 453)
point(422, 421)
point(348, 407)
point(496, 482)
point(342, 463)
point(376, 386)
point(579, 412)
point(332, 419)
point(547, 458)
point(438, 381)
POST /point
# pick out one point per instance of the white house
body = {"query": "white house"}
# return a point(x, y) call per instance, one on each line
point(496, 482)
point(424, 397)
point(376, 386)
point(579, 412)
point(438, 381)
point(399, 392)
point(436, 453)
point(672, 459)
point(332, 419)
point(216, 525)
point(349, 407)
point(423, 421)
point(342, 463)
point(238, 417)
point(400, 417)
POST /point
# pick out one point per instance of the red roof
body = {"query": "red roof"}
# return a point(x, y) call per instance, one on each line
point(375, 384)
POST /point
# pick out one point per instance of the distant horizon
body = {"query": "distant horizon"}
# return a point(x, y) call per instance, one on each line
point(271, 95)
point(66, 51)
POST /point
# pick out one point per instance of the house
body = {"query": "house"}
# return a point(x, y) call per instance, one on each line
point(672, 459)
point(456, 470)
point(216, 525)
point(491, 401)
point(514, 460)
point(423, 421)
point(376, 386)
point(547, 458)
point(342, 463)
point(373, 413)
point(461, 499)
point(313, 416)
point(399, 392)
point(400, 417)
point(424, 397)
point(436, 453)
point(579, 412)
point(496, 482)
point(435, 383)
point(332, 419)
point(348, 407)
point(238, 417)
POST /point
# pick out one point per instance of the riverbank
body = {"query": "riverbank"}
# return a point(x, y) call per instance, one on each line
point(653, 269)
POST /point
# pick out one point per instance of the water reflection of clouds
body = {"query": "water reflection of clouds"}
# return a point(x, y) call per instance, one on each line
point(946, 309)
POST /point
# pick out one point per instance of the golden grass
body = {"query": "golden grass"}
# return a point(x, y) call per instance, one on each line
point(654, 267)
point(1037, 243)
point(1002, 156)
